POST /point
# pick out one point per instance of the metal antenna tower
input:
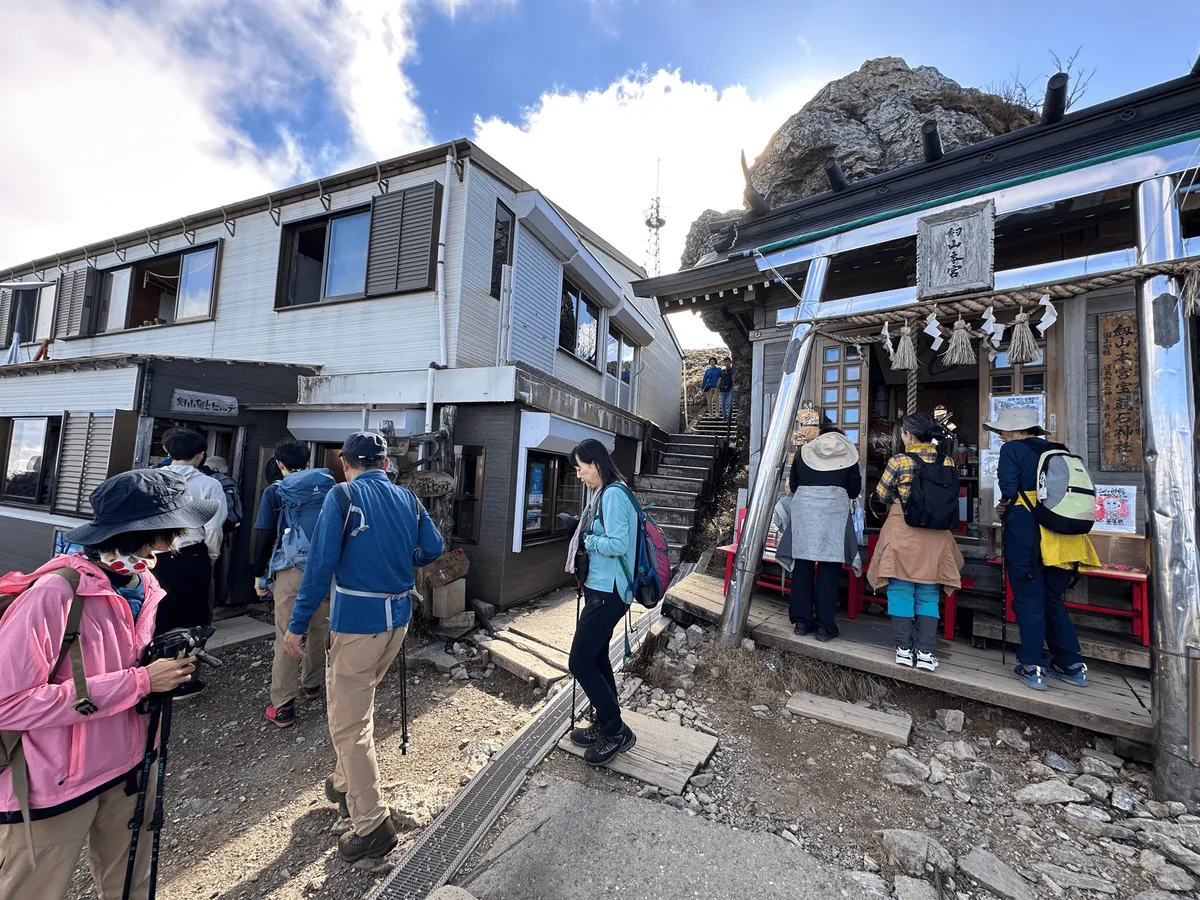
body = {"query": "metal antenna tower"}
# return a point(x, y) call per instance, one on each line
point(654, 223)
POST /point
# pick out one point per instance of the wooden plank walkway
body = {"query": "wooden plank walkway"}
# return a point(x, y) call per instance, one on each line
point(237, 631)
point(895, 729)
point(1115, 703)
point(665, 756)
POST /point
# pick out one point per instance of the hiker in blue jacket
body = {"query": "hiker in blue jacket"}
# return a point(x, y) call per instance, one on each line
point(710, 385)
point(607, 531)
point(287, 519)
point(368, 538)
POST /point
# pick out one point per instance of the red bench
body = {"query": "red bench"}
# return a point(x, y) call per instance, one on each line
point(858, 589)
point(1139, 613)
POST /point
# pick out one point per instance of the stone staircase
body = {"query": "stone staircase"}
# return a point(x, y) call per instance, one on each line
point(676, 494)
point(715, 426)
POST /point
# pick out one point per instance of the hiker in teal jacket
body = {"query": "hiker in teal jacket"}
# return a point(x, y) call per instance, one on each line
point(607, 532)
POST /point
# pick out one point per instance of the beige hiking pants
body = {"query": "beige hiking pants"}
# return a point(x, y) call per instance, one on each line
point(287, 672)
point(713, 398)
point(357, 663)
point(104, 822)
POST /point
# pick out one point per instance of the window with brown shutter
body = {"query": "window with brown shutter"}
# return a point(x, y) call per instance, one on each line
point(402, 257)
point(75, 304)
point(93, 446)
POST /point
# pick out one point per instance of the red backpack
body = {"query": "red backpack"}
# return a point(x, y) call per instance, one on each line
point(652, 558)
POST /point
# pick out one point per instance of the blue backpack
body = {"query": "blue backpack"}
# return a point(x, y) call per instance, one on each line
point(301, 496)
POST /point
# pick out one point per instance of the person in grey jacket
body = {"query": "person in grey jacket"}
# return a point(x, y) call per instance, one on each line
point(824, 479)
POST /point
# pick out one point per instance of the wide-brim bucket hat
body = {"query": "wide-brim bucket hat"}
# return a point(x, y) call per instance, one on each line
point(1016, 419)
point(142, 500)
point(829, 452)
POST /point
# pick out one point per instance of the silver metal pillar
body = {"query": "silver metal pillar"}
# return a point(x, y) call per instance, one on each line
point(1169, 459)
point(770, 465)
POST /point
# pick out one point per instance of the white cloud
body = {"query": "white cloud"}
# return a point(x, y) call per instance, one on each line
point(120, 118)
point(594, 153)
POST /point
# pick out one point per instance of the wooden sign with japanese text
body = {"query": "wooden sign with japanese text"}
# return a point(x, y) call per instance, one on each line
point(955, 251)
point(1120, 394)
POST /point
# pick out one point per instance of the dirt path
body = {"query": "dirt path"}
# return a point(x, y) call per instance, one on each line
point(246, 814)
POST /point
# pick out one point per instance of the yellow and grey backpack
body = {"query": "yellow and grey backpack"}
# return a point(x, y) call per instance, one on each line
point(1066, 496)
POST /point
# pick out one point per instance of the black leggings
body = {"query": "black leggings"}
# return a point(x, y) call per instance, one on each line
point(590, 663)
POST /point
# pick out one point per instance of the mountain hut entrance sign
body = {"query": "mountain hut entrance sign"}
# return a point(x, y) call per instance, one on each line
point(203, 404)
point(955, 251)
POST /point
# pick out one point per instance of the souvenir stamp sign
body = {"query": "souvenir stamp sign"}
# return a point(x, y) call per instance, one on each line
point(1120, 394)
point(955, 251)
point(1116, 508)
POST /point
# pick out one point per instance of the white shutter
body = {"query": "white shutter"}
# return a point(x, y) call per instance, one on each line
point(83, 460)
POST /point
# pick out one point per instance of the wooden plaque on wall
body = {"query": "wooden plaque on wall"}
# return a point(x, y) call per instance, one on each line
point(1120, 394)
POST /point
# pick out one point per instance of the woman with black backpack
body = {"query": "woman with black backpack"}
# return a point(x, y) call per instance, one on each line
point(602, 556)
point(915, 562)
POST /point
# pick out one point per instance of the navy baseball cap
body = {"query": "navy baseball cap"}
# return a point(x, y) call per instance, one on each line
point(364, 446)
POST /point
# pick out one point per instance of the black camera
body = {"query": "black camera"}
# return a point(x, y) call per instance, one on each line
point(181, 642)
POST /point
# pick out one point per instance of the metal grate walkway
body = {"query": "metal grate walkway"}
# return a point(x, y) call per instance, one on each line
point(444, 846)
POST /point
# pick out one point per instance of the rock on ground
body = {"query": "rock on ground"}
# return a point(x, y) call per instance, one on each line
point(910, 850)
point(1164, 874)
point(1047, 792)
point(1065, 878)
point(1094, 787)
point(1010, 737)
point(950, 720)
point(914, 889)
point(998, 877)
point(899, 760)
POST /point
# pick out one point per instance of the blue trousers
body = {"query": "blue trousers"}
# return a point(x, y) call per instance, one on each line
point(1038, 596)
point(726, 405)
point(908, 604)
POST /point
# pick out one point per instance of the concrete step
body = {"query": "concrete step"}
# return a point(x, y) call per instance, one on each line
point(699, 473)
point(673, 515)
point(663, 497)
point(675, 553)
point(676, 534)
point(691, 438)
point(690, 486)
point(690, 460)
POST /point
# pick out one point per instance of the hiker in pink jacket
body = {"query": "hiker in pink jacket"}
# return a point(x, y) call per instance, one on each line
point(82, 767)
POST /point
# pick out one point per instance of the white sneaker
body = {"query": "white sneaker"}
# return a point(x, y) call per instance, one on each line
point(904, 657)
point(926, 661)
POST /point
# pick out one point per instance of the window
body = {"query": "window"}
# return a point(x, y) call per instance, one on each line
point(326, 259)
point(31, 452)
point(1021, 378)
point(502, 246)
point(579, 322)
point(551, 488)
point(26, 314)
point(618, 386)
point(158, 291)
point(468, 493)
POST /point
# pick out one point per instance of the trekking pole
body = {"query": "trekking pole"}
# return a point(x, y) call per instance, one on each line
point(404, 697)
point(139, 809)
point(578, 602)
point(157, 821)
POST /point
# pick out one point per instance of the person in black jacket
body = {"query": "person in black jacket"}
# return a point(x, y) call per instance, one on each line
point(825, 478)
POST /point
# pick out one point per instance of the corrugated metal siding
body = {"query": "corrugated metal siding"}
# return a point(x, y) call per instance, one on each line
point(51, 393)
point(476, 343)
point(380, 334)
point(575, 372)
point(537, 295)
point(1099, 303)
point(660, 367)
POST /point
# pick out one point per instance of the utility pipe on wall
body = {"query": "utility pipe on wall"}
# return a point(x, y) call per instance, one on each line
point(443, 227)
point(770, 467)
point(1169, 461)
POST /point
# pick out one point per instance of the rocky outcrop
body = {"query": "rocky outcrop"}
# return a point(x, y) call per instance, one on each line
point(870, 122)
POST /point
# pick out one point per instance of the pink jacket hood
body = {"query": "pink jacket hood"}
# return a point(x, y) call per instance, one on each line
point(69, 754)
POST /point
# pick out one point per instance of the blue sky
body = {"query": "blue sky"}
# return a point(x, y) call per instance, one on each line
point(135, 112)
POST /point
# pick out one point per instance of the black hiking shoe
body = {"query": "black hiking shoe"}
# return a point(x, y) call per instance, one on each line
point(336, 797)
point(607, 746)
point(802, 628)
point(353, 846)
point(585, 737)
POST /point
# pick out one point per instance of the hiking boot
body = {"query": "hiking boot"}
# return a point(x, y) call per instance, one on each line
point(313, 693)
point(1033, 676)
point(585, 737)
point(825, 636)
point(282, 716)
point(336, 797)
point(803, 629)
point(380, 842)
point(188, 690)
point(904, 657)
point(1076, 674)
point(607, 746)
point(926, 661)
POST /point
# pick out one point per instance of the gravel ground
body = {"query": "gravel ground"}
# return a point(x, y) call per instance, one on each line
point(974, 779)
point(247, 816)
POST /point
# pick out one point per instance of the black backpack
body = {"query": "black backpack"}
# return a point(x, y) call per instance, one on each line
point(933, 496)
